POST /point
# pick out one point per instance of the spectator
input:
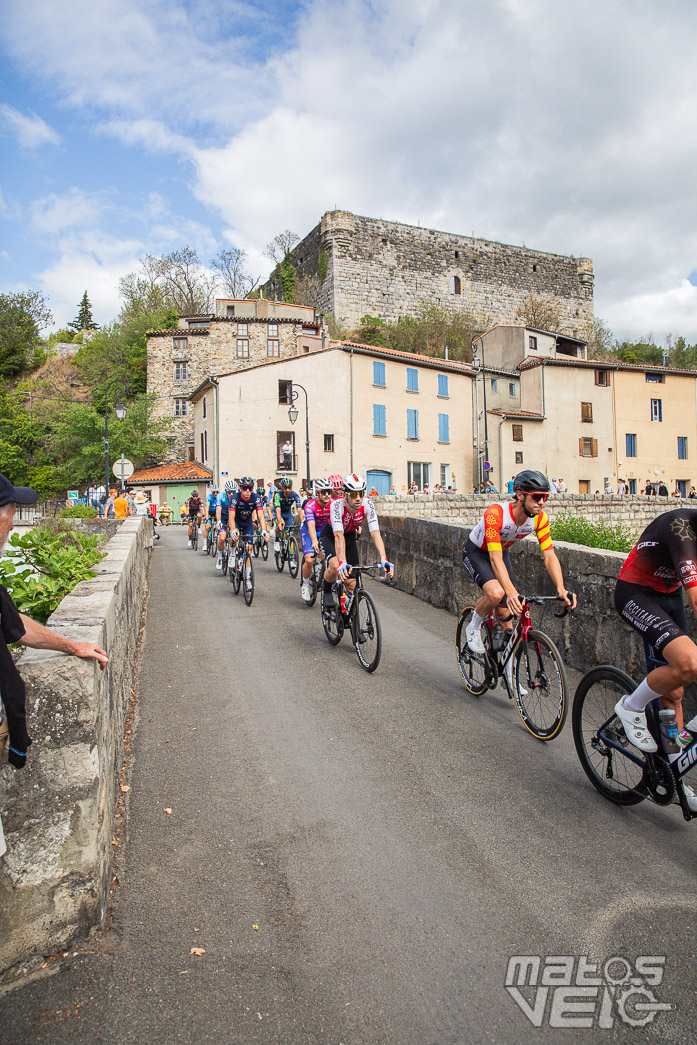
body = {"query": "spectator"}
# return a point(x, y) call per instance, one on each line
point(107, 503)
point(648, 489)
point(286, 456)
point(553, 486)
point(608, 487)
point(93, 497)
point(693, 493)
point(427, 488)
point(662, 489)
point(676, 491)
point(165, 514)
point(509, 484)
point(561, 485)
point(131, 503)
point(182, 514)
point(393, 492)
point(121, 509)
point(373, 492)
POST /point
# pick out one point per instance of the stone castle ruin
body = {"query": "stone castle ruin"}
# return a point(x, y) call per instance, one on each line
point(387, 269)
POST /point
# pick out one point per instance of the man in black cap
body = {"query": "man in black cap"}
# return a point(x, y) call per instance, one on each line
point(16, 627)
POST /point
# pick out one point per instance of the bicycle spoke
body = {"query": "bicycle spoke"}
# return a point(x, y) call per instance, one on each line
point(539, 685)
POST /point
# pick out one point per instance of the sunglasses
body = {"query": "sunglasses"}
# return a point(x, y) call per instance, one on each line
point(324, 493)
point(246, 487)
point(539, 497)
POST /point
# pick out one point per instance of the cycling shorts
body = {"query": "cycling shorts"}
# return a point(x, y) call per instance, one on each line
point(328, 546)
point(658, 616)
point(287, 521)
point(246, 529)
point(478, 564)
point(194, 513)
point(305, 540)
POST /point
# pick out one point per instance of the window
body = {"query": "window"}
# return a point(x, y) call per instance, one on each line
point(445, 475)
point(517, 433)
point(682, 447)
point(632, 486)
point(412, 379)
point(519, 457)
point(329, 444)
point(378, 373)
point(380, 419)
point(180, 407)
point(494, 384)
point(587, 447)
point(287, 460)
point(511, 388)
point(443, 428)
point(655, 379)
point(285, 392)
point(273, 348)
point(204, 406)
point(242, 348)
point(419, 472)
point(242, 330)
point(586, 412)
point(412, 424)
point(455, 285)
point(204, 445)
point(630, 444)
point(199, 324)
point(584, 486)
point(532, 343)
point(180, 372)
point(602, 377)
point(179, 344)
point(230, 311)
point(656, 409)
point(443, 386)
point(273, 330)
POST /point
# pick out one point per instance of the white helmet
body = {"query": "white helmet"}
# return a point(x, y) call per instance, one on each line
point(353, 484)
point(230, 486)
point(322, 484)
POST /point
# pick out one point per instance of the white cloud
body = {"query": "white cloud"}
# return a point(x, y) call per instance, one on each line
point(30, 131)
point(55, 213)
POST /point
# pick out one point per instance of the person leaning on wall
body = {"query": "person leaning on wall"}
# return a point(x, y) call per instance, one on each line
point(16, 627)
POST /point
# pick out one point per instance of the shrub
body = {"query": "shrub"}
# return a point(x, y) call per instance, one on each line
point(52, 564)
point(77, 511)
point(577, 530)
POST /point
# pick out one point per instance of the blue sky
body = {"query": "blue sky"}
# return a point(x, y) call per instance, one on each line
point(136, 127)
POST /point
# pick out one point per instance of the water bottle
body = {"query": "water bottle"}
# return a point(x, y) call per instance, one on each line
point(669, 730)
point(346, 600)
point(497, 638)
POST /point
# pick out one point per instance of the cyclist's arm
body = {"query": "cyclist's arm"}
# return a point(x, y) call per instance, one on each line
point(301, 513)
point(553, 567)
point(380, 548)
point(312, 532)
point(340, 545)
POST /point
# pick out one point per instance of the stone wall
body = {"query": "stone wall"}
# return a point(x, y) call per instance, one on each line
point(58, 811)
point(388, 269)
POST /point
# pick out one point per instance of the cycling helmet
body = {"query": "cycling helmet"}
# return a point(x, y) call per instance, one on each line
point(323, 484)
point(336, 480)
point(286, 483)
point(531, 482)
point(230, 486)
point(247, 481)
point(353, 484)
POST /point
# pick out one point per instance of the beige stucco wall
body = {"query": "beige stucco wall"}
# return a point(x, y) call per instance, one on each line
point(656, 441)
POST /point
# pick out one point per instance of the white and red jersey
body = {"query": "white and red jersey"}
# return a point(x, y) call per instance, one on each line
point(498, 530)
point(342, 519)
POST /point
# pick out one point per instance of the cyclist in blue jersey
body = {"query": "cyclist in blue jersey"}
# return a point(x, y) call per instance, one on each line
point(245, 509)
point(222, 515)
point(283, 504)
point(316, 516)
point(211, 505)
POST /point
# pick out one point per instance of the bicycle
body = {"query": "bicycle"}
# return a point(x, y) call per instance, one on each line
point(358, 614)
point(285, 548)
point(539, 680)
point(242, 569)
point(315, 578)
point(619, 771)
point(226, 552)
point(211, 542)
point(260, 545)
point(194, 533)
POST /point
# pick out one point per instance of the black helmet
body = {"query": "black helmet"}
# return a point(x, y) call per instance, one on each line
point(531, 482)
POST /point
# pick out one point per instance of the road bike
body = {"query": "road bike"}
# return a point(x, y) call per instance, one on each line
point(242, 568)
point(226, 551)
point(619, 771)
point(211, 542)
point(356, 613)
point(285, 548)
point(194, 533)
point(539, 686)
point(315, 578)
point(260, 545)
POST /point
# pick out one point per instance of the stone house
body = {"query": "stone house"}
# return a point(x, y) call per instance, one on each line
point(172, 483)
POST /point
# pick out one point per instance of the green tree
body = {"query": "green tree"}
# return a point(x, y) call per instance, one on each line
point(84, 319)
point(22, 317)
point(541, 313)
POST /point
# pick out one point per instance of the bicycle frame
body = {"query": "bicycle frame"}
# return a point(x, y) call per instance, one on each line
point(520, 629)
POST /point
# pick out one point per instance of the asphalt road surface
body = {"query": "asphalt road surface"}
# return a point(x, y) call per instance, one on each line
point(359, 856)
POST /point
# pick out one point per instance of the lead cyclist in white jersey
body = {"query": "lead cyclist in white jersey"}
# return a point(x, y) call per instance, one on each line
point(338, 536)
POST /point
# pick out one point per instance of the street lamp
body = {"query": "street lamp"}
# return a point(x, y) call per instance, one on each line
point(477, 368)
point(293, 417)
point(120, 414)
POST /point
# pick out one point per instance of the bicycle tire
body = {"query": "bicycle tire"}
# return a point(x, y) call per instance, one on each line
point(472, 666)
point(256, 547)
point(313, 590)
point(248, 578)
point(226, 559)
point(235, 575)
point(264, 549)
point(280, 558)
point(616, 778)
point(366, 622)
point(332, 622)
point(293, 557)
point(194, 538)
point(537, 667)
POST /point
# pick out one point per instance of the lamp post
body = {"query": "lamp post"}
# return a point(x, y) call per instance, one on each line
point(486, 427)
point(120, 414)
point(293, 417)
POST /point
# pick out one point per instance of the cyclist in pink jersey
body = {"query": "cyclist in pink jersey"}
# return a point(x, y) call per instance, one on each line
point(316, 516)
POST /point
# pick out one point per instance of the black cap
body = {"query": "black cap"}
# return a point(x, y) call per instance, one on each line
point(10, 494)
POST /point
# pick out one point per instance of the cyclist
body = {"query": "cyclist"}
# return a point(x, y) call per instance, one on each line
point(337, 482)
point(283, 504)
point(338, 536)
point(486, 559)
point(222, 515)
point(316, 516)
point(194, 505)
point(211, 504)
point(246, 508)
point(648, 595)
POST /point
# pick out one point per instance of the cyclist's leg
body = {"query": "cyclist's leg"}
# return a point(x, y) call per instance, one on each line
point(478, 565)
point(308, 552)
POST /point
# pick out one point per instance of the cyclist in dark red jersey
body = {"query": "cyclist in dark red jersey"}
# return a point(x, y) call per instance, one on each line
point(648, 596)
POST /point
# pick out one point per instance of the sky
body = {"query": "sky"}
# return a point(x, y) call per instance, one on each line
point(131, 128)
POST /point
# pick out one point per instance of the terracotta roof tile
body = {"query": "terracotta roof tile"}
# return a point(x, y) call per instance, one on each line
point(169, 473)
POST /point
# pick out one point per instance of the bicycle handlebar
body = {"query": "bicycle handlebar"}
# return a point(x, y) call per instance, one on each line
point(549, 598)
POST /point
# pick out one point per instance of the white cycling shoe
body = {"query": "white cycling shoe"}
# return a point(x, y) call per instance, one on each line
point(635, 727)
point(509, 675)
point(474, 639)
point(219, 564)
point(305, 591)
point(690, 796)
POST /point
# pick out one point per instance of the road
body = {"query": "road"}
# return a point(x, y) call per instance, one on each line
point(358, 856)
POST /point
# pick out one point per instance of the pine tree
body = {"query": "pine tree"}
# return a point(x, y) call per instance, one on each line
point(84, 320)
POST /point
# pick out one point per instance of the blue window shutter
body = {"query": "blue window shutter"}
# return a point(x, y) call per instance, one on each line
point(412, 424)
point(379, 419)
point(378, 373)
point(412, 379)
point(631, 445)
point(443, 428)
point(442, 384)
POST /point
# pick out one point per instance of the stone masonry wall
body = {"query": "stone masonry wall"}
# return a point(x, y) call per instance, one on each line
point(58, 811)
point(388, 269)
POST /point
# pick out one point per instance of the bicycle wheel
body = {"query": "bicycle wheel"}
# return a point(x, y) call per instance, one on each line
point(293, 557)
point(539, 685)
point(226, 559)
point(367, 634)
point(256, 547)
point(235, 573)
point(601, 744)
point(194, 538)
point(472, 665)
point(248, 579)
point(264, 549)
point(280, 557)
point(313, 590)
point(332, 621)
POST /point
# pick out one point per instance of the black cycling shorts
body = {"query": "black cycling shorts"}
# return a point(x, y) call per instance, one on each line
point(478, 564)
point(658, 616)
point(328, 545)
